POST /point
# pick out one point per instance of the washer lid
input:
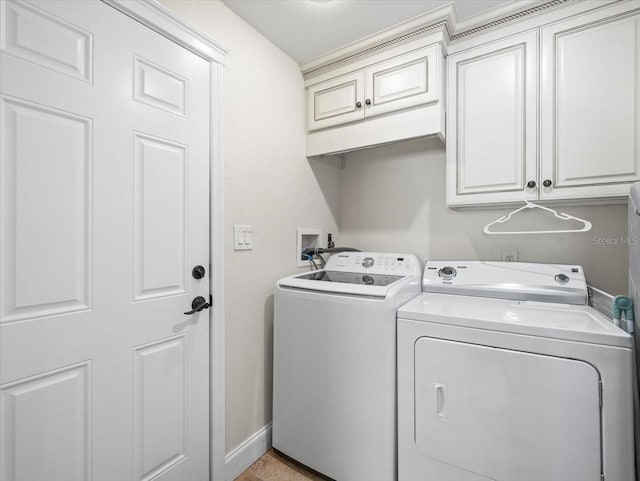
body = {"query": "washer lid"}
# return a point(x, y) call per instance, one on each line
point(341, 282)
point(540, 319)
point(507, 280)
point(373, 274)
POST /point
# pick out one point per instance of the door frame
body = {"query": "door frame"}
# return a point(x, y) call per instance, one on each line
point(163, 21)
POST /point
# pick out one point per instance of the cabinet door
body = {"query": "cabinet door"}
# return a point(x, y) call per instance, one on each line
point(335, 101)
point(491, 125)
point(591, 105)
point(404, 81)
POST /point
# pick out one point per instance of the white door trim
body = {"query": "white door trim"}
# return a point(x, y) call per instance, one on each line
point(153, 15)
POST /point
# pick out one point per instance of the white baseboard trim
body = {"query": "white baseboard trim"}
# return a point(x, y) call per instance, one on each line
point(247, 453)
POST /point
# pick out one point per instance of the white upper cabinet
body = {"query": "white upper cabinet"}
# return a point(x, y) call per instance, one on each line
point(591, 105)
point(492, 124)
point(392, 95)
point(402, 82)
point(559, 124)
point(336, 101)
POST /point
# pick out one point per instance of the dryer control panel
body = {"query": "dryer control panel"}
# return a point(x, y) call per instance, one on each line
point(507, 280)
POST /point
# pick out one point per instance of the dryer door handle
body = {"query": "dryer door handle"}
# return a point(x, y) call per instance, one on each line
point(441, 399)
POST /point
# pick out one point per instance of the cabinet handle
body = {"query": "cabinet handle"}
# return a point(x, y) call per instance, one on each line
point(547, 183)
point(358, 104)
point(531, 184)
point(368, 101)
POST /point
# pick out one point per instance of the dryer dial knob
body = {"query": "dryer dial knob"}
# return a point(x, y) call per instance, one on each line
point(367, 262)
point(447, 272)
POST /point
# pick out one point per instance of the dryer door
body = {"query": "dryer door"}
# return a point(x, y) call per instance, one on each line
point(507, 415)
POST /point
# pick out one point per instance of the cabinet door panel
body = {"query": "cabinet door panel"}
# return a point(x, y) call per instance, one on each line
point(591, 106)
point(334, 102)
point(402, 82)
point(491, 143)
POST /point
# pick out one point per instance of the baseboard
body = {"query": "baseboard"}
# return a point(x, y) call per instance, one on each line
point(247, 453)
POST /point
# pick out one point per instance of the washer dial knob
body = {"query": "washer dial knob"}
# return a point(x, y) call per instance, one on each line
point(447, 273)
point(562, 278)
point(367, 262)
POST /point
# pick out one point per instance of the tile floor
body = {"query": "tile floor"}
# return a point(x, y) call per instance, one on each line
point(275, 467)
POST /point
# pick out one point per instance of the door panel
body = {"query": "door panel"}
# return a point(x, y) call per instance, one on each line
point(104, 196)
point(159, 87)
point(491, 143)
point(37, 36)
point(334, 102)
point(47, 426)
point(160, 217)
point(402, 82)
point(506, 414)
point(47, 151)
point(160, 424)
point(590, 107)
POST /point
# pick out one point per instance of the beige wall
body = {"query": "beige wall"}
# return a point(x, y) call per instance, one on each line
point(392, 198)
point(269, 184)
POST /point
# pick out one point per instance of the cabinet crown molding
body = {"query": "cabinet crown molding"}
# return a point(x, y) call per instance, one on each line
point(442, 20)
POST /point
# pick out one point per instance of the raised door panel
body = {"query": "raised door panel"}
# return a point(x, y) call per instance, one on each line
point(506, 415)
point(591, 106)
point(45, 167)
point(46, 40)
point(160, 217)
point(160, 406)
point(335, 101)
point(46, 421)
point(491, 143)
point(403, 82)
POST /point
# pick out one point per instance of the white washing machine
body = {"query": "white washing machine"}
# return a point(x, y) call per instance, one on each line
point(334, 386)
point(505, 374)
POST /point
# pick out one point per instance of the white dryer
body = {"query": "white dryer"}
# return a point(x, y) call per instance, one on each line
point(505, 374)
point(334, 386)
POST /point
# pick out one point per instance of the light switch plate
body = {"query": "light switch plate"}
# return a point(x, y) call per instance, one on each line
point(242, 237)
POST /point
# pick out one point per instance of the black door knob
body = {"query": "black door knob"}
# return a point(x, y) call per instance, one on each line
point(547, 183)
point(368, 101)
point(198, 272)
point(358, 104)
point(531, 184)
point(198, 304)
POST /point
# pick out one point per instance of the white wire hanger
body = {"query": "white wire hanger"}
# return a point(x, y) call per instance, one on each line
point(586, 225)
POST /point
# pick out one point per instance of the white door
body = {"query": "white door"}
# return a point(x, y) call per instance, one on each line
point(492, 123)
point(104, 213)
point(506, 415)
point(404, 81)
point(590, 107)
point(336, 101)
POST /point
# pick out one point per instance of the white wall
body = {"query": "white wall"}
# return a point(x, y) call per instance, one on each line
point(269, 184)
point(392, 198)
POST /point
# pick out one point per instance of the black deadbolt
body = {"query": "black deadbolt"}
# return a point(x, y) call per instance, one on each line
point(198, 272)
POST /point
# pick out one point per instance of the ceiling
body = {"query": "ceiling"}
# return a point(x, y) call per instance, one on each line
point(307, 29)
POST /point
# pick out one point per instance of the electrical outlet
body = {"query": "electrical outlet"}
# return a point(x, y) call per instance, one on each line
point(510, 256)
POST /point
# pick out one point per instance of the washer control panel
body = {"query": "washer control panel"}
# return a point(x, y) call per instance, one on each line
point(374, 262)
